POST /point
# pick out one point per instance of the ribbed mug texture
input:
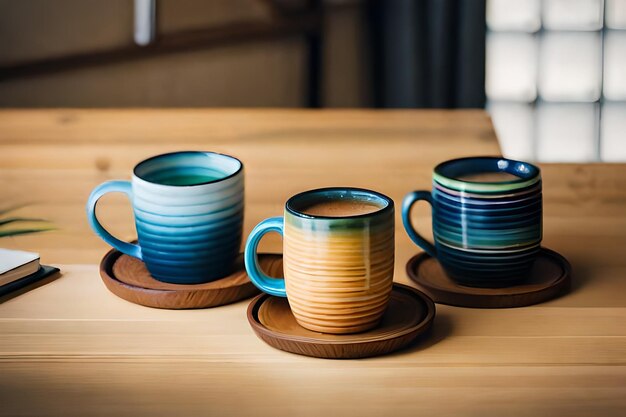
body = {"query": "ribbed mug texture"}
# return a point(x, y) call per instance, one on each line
point(486, 233)
point(188, 209)
point(339, 271)
point(189, 234)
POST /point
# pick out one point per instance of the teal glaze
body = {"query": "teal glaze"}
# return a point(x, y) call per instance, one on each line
point(486, 234)
point(102, 189)
point(188, 209)
point(264, 282)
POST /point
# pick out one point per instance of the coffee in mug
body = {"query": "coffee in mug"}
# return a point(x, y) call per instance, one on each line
point(339, 208)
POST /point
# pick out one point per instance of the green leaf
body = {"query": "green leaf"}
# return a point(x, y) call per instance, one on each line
point(15, 232)
point(19, 219)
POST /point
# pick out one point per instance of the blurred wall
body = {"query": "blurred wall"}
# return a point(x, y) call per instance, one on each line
point(248, 73)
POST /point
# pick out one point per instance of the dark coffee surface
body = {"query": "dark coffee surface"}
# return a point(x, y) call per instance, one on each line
point(340, 208)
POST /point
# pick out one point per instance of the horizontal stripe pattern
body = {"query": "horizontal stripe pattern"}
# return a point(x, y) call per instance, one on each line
point(339, 273)
point(487, 234)
point(190, 234)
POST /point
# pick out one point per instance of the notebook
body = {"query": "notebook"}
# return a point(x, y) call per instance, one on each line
point(43, 272)
point(17, 264)
point(20, 269)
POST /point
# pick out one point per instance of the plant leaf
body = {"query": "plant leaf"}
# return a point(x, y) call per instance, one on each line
point(19, 219)
point(15, 232)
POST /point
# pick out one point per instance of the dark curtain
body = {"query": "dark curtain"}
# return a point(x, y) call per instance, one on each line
point(428, 53)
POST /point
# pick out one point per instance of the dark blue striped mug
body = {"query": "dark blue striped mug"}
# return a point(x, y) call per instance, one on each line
point(486, 217)
point(188, 209)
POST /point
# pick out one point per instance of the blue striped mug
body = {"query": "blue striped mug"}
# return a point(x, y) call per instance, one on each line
point(486, 218)
point(188, 209)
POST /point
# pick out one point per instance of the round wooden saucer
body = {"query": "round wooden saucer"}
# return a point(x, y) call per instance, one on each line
point(128, 278)
point(549, 278)
point(409, 314)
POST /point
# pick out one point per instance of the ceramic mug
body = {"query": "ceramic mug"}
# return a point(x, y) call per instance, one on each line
point(188, 209)
point(338, 264)
point(486, 217)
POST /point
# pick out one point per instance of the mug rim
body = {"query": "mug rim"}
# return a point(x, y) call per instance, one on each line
point(439, 173)
point(168, 154)
point(389, 205)
point(442, 165)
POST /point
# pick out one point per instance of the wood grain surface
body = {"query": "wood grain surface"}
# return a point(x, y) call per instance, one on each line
point(128, 278)
point(71, 348)
point(550, 277)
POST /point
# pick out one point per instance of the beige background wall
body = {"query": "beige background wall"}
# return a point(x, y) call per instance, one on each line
point(252, 73)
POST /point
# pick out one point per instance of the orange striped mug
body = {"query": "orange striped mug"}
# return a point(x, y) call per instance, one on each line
point(338, 258)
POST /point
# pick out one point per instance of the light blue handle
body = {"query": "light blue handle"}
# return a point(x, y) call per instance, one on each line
point(265, 283)
point(99, 191)
point(407, 203)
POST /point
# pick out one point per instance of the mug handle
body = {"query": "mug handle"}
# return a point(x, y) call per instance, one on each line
point(408, 202)
point(273, 286)
point(102, 189)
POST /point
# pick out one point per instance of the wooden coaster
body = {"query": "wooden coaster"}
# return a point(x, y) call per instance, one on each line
point(128, 278)
point(409, 314)
point(549, 278)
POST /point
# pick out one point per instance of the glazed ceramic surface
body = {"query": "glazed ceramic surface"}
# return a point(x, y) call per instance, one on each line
point(338, 270)
point(486, 233)
point(188, 209)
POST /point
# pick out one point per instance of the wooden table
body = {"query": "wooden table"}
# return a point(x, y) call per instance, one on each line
point(72, 348)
